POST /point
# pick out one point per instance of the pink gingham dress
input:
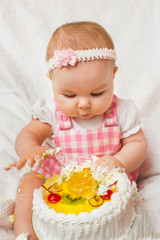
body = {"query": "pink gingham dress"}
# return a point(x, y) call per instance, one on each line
point(79, 145)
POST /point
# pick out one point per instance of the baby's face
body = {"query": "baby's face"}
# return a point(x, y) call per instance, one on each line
point(86, 90)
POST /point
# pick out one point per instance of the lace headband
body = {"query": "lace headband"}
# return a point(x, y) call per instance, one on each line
point(63, 58)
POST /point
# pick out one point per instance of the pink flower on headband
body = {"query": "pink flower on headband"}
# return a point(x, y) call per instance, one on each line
point(64, 57)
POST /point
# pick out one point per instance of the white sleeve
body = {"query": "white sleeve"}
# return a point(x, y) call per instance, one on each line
point(128, 117)
point(44, 110)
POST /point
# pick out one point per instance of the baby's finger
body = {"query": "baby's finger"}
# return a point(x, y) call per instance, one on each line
point(38, 160)
point(40, 156)
point(103, 170)
point(97, 163)
point(19, 164)
point(31, 162)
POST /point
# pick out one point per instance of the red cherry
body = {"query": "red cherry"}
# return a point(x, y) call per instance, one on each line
point(113, 183)
point(54, 198)
point(108, 195)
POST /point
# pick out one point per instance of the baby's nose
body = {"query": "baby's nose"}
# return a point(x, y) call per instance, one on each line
point(84, 103)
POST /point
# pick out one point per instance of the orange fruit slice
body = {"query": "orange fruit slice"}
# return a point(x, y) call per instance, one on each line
point(96, 201)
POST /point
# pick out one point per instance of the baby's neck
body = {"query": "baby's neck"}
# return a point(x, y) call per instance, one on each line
point(94, 122)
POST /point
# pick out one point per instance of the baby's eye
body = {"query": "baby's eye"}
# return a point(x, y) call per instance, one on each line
point(96, 94)
point(69, 96)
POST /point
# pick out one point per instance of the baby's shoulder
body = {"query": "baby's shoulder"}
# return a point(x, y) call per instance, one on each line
point(44, 109)
point(125, 104)
point(128, 117)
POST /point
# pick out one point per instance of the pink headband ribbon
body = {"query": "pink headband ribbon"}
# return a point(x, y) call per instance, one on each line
point(63, 58)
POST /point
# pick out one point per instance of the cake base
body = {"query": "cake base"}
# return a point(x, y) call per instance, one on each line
point(112, 220)
point(115, 219)
point(140, 229)
point(112, 233)
point(100, 224)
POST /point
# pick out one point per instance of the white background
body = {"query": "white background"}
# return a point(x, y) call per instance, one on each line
point(26, 27)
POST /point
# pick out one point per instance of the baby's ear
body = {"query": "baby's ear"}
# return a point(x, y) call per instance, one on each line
point(115, 71)
point(48, 75)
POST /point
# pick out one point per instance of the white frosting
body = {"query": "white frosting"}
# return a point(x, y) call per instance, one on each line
point(22, 236)
point(53, 152)
point(112, 220)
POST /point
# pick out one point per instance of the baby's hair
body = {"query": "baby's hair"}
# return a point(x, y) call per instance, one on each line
point(78, 36)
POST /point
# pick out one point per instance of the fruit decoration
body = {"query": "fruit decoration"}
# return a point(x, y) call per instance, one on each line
point(108, 195)
point(113, 184)
point(81, 184)
point(54, 198)
point(96, 201)
point(56, 188)
point(79, 192)
point(69, 199)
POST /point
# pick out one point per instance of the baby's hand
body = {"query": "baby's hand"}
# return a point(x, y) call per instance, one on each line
point(32, 155)
point(106, 163)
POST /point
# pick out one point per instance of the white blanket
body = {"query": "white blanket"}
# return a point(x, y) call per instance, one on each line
point(26, 27)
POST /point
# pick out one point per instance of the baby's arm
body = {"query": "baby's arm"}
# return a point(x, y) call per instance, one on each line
point(131, 155)
point(133, 151)
point(29, 141)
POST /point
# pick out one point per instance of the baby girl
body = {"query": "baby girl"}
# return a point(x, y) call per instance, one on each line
point(85, 118)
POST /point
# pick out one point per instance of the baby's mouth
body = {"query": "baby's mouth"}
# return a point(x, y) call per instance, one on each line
point(83, 114)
